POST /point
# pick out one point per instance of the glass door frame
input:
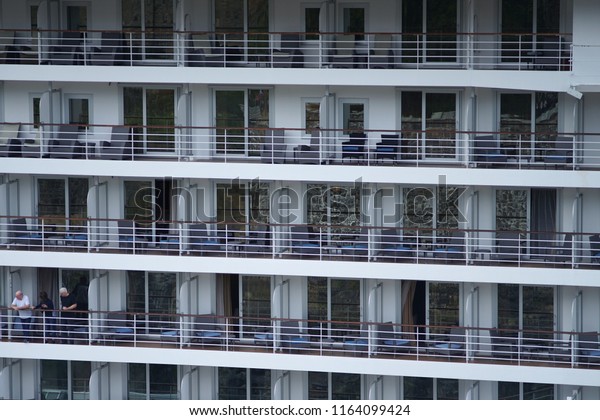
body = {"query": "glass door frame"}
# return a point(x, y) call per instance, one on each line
point(246, 128)
point(421, 138)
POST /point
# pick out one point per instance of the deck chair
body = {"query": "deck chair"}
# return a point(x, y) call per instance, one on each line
point(588, 348)
point(303, 242)
point(355, 147)
point(388, 341)
point(10, 145)
point(508, 246)
point(199, 240)
point(381, 55)
point(273, 147)
point(342, 53)
point(451, 247)
point(595, 248)
point(120, 145)
point(486, 150)
point(20, 236)
point(453, 345)
point(502, 347)
point(289, 53)
point(291, 336)
point(561, 152)
point(207, 331)
point(110, 50)
point(204, 51)
point(310, 153)
point(117, 328)
point(393, 247)
point(128, 238)
point(388, 148)
point(357, 247)
point(64, 143)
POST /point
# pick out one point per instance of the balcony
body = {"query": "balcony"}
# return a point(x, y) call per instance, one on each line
point(372, 50)
point(372, 245)
point(374, 147)
point(427, 343)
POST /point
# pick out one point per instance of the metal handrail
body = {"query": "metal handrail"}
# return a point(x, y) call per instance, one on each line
point(372, 50)
point(374, 147)
point(546, 348)
point(372, 244)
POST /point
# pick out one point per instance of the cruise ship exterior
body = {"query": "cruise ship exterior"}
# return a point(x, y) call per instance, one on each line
point(298, 199)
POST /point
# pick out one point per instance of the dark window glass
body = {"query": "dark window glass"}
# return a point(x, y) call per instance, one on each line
point(511, 210)
point(139, 203)
point(311, 22)
point(54, 380)
point(318, 385)
point(538, 391)
point(508, 306)
point(508, 391)
point(443, 305)
point(345, 386)
point(418, 388)
point(232, 383)
point(447, 389)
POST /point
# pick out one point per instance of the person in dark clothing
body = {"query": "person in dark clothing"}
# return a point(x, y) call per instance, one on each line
point(47, 306)
point(68, 305)
point(81, 296)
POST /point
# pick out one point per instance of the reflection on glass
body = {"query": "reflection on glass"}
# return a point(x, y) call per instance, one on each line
point(232, 383)
point(440, 125)
point(511, 210)
point(438, 42)
point(546, 120)
point(517, 26)
point(508, 391)
point(508, 306)
point(354, 118)
point(311, 22)
point(154, 293)
point(79, 112)
point(139, 201)
point(239, 204)
point(155, 19)
point(260, 384)
point(447, 389)
point(162, 382)
point(160, 120)
point(51, 201)
point(538, 312)
point(431, 117)
point(312, 116)
point(258, 117)
point(335, 206)
point(80, 380)
point(515, 124)
point(354, 20)
point(418, 388)
point(54, 380)
point(334, 300)
point(256, 301)
point(538, 391)
point(318, 385)
point(443, 305)
point(441, 27)
point(345, 386)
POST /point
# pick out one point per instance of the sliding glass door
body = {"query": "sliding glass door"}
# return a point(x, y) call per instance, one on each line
point(234, 111)
point(429, 122)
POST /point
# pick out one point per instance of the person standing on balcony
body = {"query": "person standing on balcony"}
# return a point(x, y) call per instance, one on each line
point(23, 307)
point(47, 306)
point(68, 306)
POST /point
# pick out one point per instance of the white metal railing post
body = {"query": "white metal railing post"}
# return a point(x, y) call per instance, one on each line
point(43, 235)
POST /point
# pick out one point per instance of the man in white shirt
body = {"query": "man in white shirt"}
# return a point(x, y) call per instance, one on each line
point(22, 305)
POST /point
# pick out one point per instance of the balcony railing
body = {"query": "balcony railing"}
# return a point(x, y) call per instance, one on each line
point(566, 349)
point(524, 150)
point(315, 242)
point(373, 50)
